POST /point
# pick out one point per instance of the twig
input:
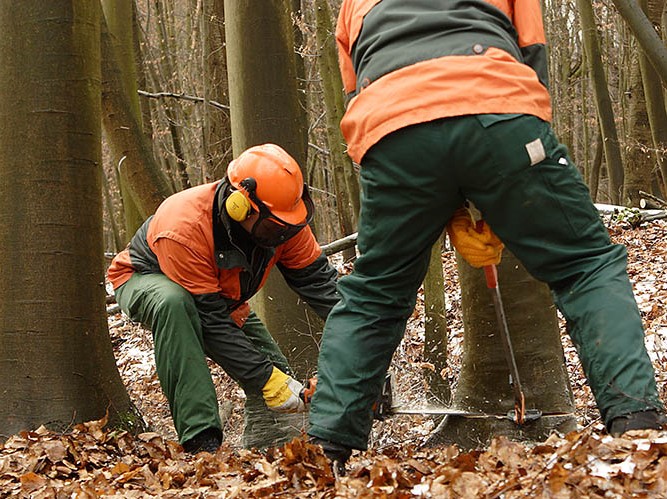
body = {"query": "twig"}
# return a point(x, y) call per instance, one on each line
point(194, 98)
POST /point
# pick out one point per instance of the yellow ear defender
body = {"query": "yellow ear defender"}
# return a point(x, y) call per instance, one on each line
point(238, 206)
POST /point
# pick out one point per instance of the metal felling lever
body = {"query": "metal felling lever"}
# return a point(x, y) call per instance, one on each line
point(491, 274)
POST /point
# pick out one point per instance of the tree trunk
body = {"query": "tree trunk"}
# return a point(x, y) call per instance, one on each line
point(347, 192)
point(435, 329)
point(265, 107)
point(594, 180)
point(484, 378)
point(655, 101)
point(57, 365)
point(602, 100)
point(639, 159)
point(641, 27)
point(166, 80)
point(217, 133)
point(122, 121)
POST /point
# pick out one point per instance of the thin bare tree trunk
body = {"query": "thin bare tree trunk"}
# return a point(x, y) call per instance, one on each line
point(345, 180)
point(122, 121)
point(602, 100)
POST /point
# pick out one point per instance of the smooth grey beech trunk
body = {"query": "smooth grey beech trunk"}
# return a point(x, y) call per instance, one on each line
point(266, 107)
point(56, 362)
point(483, 383)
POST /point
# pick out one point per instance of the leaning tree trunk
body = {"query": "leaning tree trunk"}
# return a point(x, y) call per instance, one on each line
point(648, 38)
point(56, 362)
point(602, 100)
point(483, 384)
point(265, 107)
point(654, 95)
point(133, 156)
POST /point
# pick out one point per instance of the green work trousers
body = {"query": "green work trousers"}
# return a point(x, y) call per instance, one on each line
point(517, 173)
point(181, 349)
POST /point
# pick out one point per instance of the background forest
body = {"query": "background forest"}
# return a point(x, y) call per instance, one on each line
point(183, 89)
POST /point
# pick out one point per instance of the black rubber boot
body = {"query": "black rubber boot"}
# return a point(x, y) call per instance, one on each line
point(641, 420)
point(208, 440)
point(338, 454)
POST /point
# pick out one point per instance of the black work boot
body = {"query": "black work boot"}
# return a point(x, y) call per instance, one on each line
point(207, 440)
point(337, 453)
point(640, 420)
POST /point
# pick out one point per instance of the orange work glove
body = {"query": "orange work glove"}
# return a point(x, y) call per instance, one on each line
point(476, 242)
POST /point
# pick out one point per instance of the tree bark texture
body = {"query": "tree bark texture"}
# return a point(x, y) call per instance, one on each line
point(122, 122)
point(265, 107)
point(602, 100)
point(345, 181)
point(484, 377)
point(56, 362)
point(639, 157)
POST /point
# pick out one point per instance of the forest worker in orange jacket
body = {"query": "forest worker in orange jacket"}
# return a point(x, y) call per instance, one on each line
point(447, 102)
point(187, 275)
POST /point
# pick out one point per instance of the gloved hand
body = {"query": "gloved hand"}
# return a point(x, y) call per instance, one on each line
point(476, 242)
point(281, 393)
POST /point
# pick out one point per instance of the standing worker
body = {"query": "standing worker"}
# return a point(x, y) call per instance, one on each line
point(187, 275)
point(448, 102)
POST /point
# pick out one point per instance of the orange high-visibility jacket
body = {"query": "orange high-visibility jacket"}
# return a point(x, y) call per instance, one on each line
point(182, 242)
point(405, 62)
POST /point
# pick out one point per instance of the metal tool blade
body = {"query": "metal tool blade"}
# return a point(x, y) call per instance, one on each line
point(530, 414)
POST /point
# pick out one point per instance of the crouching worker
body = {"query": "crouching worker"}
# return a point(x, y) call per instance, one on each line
point(187, 275)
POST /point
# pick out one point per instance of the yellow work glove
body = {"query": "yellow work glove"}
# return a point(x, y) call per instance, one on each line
point(282, 393)
point(476, 242)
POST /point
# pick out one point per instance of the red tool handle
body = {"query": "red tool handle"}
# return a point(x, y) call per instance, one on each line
point(308, 390)
point(491, 274)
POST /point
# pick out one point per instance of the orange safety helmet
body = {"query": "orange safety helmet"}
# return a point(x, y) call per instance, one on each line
point(278, 182)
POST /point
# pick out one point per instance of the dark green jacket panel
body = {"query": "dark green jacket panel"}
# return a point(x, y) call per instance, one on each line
point(143, 259)
point(315, 284)
point(535, 56)
point(421, 30)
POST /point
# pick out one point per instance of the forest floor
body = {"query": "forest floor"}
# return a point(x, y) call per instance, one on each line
point(93, 461)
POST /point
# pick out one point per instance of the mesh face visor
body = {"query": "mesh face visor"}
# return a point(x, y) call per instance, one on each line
point(269, 230)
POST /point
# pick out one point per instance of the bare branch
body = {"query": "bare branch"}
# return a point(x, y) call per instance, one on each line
point(194, 98)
